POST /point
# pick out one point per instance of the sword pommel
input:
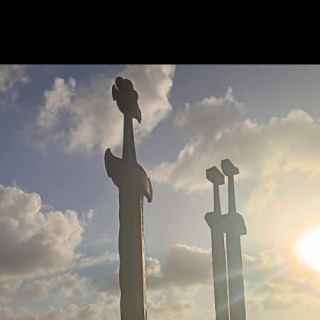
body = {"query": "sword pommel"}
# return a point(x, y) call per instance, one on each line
point(126, 97)
point(217, 179)
point(215, 176)
point(228, 168)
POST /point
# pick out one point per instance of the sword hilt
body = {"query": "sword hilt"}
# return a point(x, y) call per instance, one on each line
point(230, 170)
point(217, 179)
point(234, 221)
point(127, 174)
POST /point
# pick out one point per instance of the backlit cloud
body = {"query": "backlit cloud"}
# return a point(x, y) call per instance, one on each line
point(84, 117)
point(32, 241)
point(10, 75)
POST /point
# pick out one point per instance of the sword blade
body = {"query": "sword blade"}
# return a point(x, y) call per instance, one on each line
point(235, 276)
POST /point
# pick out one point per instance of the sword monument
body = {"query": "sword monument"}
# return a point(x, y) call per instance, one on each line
point(228, 277)
point(235, 229)
point(216, 222)
point(133, 184)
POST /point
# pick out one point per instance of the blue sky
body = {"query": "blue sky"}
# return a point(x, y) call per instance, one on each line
point(58, 207)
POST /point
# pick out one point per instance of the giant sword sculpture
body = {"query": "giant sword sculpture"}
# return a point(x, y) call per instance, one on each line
point(216, 223)
point(235, 229)
point(226, 230)
point(133, 184)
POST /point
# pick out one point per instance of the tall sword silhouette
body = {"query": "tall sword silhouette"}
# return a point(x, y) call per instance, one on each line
point(216, 222)
point(235, 228)
point(133, 184)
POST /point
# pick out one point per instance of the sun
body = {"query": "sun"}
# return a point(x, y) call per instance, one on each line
point(308, 249)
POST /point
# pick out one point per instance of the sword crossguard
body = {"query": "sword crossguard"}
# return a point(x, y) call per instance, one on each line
point(235, 224)
point(124, 173)
point(216, 221)
point(226, 223)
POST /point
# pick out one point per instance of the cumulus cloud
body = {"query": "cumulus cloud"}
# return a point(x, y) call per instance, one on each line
point(276, 283)
point(175, 283)
point(202, 122)
point(280, 176)
point(184, 266)
point(209, 115)
point(272, 282)
point(90, 261)
point(177, 287)
point(32, 241)
point(278, 161)
point(65, 286)
point(219, 130)
point(10, 75)
point(171, 303)
point(84, 117)
point(103, 308)
point(57, 99)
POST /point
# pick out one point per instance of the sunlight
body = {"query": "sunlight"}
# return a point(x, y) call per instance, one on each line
point(308, 249)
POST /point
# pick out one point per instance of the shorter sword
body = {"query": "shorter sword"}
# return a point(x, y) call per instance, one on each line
point(235, 228)
point(216, 224)
point(133, 184)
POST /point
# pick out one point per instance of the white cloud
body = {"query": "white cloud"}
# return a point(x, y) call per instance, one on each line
point(203, 123)
point(171, 303)
point(103, 308)
point(84, 117)
point(209, 115)
point(89, 261)
point(276, 284)
point(174, 284)
point(186, 290)
point(279, 171)
point(10, 75)
point(278, 183)
point(57, 99)
point(65, 286)
point(183, 266)
point(31, 241)
point(258, 149)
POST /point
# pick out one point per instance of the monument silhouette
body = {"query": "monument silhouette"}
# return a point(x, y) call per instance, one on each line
point(226, 230)
point(133, 184)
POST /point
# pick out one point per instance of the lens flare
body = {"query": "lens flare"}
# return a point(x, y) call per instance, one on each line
point(308, 249)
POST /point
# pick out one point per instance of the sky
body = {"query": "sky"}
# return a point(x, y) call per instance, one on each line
point(59, 210)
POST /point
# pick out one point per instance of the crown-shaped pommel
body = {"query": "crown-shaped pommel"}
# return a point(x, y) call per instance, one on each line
point(215, 176)
point(228, 168)
point(126, 97)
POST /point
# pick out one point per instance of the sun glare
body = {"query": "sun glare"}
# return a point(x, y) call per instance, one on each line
point(308, 249)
